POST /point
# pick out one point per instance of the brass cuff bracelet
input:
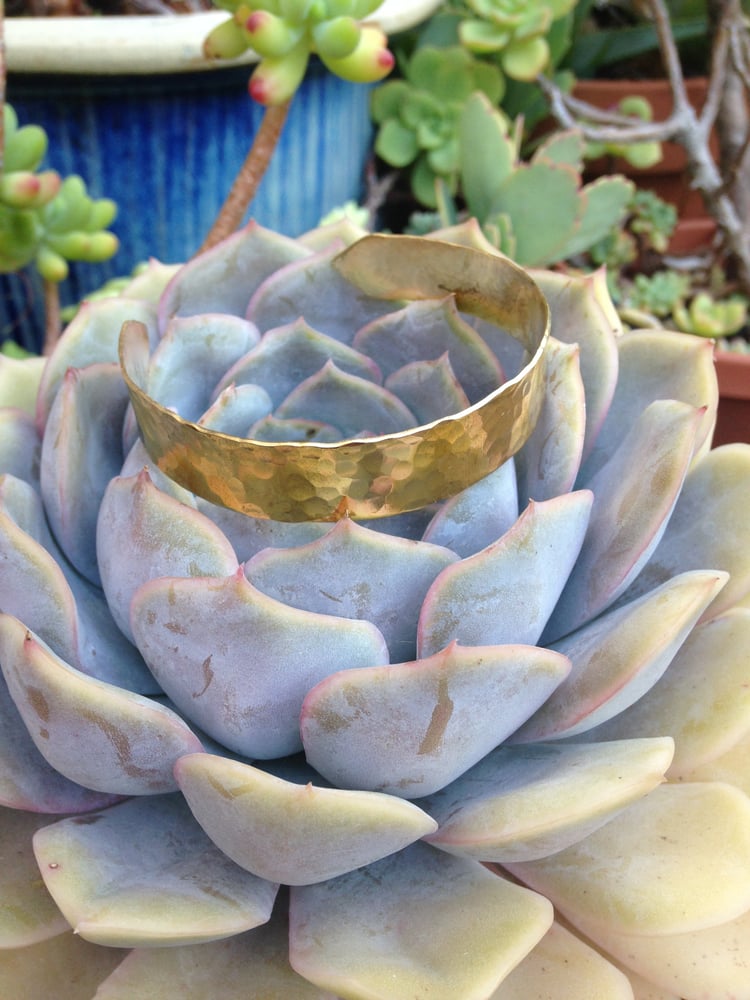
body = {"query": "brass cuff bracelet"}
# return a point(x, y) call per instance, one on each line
point(378, 476)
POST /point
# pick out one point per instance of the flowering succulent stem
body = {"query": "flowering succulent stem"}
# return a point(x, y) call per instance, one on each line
point(250, 175)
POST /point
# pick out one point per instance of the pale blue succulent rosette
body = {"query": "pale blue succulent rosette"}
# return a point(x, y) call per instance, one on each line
point(239, 751)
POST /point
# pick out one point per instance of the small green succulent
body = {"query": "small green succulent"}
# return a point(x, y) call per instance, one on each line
point(419, 115)
point(285, 33)
point(45, 220)
point(514, 30)
point(637, 154)
point(704, 316)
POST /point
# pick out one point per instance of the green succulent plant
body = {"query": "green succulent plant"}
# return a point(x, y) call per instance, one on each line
point(285, 33)
point(515, 31)
point(202, 707)
point(418, 116)
point(706, 316)
point(46, 221)
point(637, 154)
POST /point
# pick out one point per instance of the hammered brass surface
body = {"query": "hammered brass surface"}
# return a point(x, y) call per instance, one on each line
point(379, 476)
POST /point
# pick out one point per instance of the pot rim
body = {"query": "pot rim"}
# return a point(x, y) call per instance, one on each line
point(141, 45)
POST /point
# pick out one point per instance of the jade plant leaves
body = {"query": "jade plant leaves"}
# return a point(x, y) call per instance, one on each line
point(93, 733)
point(411, 728)
point(269, 825)
point(524, 803)
point(143, 872)
point(418, 923)
point(245, 661)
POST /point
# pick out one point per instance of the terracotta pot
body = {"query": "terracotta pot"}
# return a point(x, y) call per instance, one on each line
point(668, 178)
point(733, 421)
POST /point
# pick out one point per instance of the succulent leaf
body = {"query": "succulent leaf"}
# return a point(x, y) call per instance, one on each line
point(122, 743)
point(624, 890)
point(528, 802)
point(482, 599)
point(20, 447)
point(245, 661)
point(402, 927)
point(622, 654)
point(64, 966)
point(354, 572)
point(33, 917)
point(411, 728)
point(267, 825)
point(144, 873)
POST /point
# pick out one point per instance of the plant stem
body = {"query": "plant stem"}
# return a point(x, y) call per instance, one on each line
point(52, 322)
point(250, 175)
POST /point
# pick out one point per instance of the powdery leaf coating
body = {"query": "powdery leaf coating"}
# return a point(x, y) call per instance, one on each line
point(411, 728)
point(620, 655)
point(240, 663)
point(561, 965)
point(64, 967)
point(20, 445)
point(33, 915)
point(414, 923)
point(291, 833)
point(144, 873)
point(142, 534)
point(93, 733)
point(674, 862)
point(524, 803)
point(506, 592)
point(355, 572)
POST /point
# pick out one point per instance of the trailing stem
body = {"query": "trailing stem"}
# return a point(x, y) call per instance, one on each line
point(250, 175)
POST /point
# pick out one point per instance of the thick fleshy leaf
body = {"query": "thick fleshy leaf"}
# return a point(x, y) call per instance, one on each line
point(193, 354)
point(353, 405)
point(353, 572)
point(731, 767)
point(424, 331)
point(478, 516)
point(64, 967)
point(294, 291)
point(93, 733)
point(411, 728)
point(714, 962)
point(714, 494)
point(27, 911)
point(548, 463)
point(142, 533)
point(619, 656)
point(225, 277)
point(19, 382)
point(429, 389)
point(416, 924)
point(582, 313)
point(676, 861)
point(90, 338)
point(634, 495)
point(27, 781)
point(293, 429)
point(219, 970)
point(64, 609)
point(143, 872)
point(81, 452)
point(506, 592)
point(562, 966)
point(656, 364)
point(291, 833)
point(236, 409)
point(20, 445)
point(703, 700)
point(290, 354)
point(524, 803)
point(244, 662)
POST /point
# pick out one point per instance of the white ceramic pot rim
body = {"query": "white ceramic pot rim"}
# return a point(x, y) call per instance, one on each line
point(148, 44)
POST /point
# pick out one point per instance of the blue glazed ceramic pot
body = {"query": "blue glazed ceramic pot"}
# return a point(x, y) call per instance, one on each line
point(166, 145)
